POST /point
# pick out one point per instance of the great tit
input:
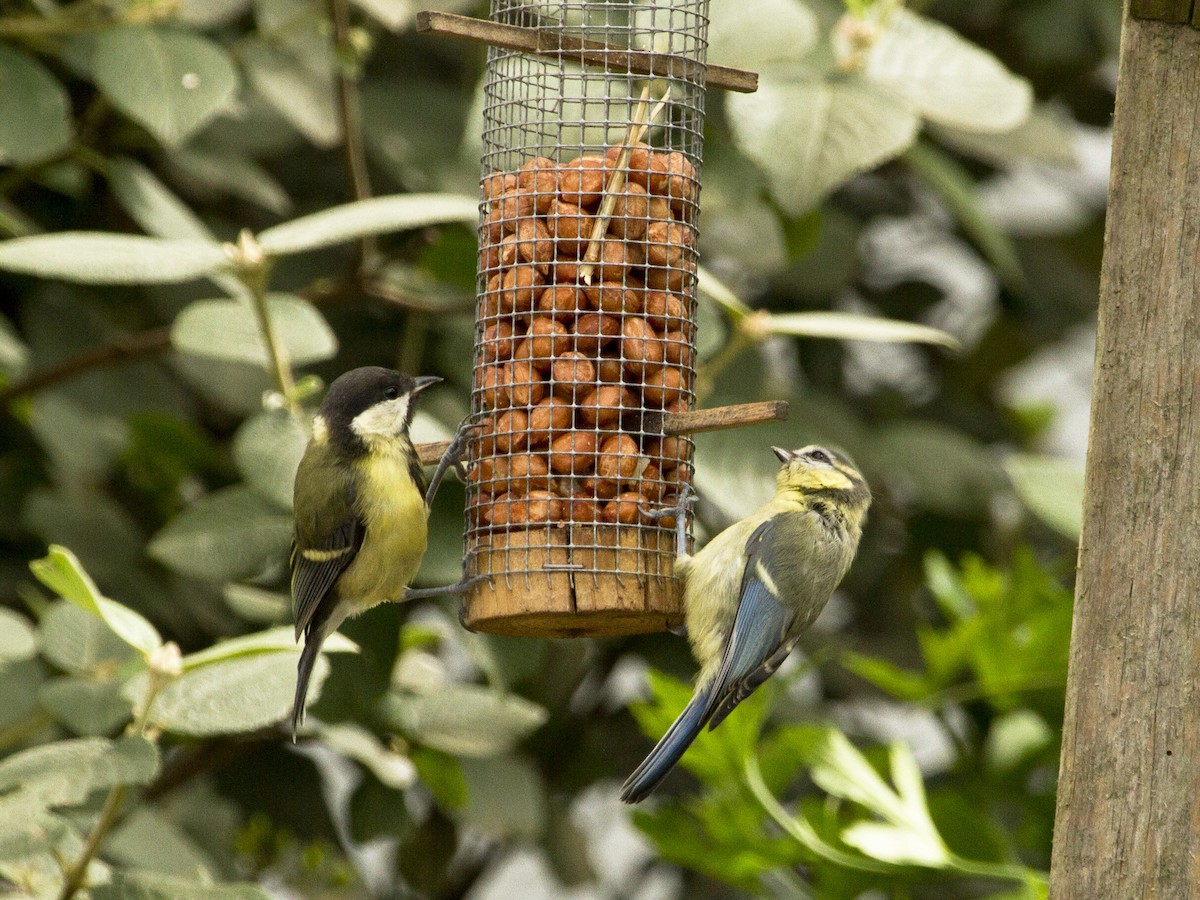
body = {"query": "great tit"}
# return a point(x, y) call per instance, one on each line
point(755, 588)
point(361, 514)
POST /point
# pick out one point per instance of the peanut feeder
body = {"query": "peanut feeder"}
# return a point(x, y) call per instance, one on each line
point(585, 324)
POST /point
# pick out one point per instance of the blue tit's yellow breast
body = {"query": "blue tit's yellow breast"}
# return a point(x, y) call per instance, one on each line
point(392, 510)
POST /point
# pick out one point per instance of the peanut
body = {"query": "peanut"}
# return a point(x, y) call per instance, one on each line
point(512, 431)
point(546, 418)
point(582, 180)
point(573, 453)
point(572, 373)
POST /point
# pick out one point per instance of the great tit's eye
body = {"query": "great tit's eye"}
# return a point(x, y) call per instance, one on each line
point(820, 456)
point(391, 393)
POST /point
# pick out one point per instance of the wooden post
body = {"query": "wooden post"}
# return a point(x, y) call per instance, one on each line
point(1128, 816)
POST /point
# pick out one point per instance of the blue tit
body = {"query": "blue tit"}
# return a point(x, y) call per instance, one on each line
point(360, 508)
point(755, 588)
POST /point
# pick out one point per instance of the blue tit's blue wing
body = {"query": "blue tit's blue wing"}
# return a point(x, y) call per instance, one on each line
point(759, 641)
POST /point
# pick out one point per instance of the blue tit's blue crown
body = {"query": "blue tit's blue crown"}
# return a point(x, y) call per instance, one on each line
point(816, 471)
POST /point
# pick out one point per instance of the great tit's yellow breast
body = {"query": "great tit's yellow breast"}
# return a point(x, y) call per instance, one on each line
point(395, 528)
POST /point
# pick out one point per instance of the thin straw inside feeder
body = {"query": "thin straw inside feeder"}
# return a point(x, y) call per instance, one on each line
point(616, 181)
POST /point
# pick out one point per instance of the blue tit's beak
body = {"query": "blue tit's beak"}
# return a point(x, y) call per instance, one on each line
point(784, 455)
point(425, 381)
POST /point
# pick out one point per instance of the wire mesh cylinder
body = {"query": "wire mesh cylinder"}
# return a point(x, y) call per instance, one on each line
point(585, 325)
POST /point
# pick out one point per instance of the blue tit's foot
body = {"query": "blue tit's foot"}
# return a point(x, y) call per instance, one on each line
point(459, 587)
point(682, 507)
point(452, 458)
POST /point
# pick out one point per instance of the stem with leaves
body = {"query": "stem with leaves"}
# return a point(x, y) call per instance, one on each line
point(165, 666)
point(347, 64)
point(799, 828)
point(253, 270)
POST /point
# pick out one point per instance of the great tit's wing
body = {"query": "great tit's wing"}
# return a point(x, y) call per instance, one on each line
point(329, 533)
point(759, 641)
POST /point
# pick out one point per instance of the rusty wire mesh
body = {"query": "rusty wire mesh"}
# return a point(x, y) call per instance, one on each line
point(582, 344)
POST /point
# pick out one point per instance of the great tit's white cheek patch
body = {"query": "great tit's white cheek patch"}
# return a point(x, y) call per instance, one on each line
point(320, 430)
point(386, 418)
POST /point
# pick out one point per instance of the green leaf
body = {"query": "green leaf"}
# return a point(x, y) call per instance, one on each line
point(256, 605)
point(35, 111)
point(302, 91)
point(762, 35)
point(940, 469)
point(94, 257)
point(78, 642)
point(948, 79)
point(85, 706)
point(228, 329)
point(267, 450)
point(852, 327)
point(228, 535)
point(27, 829)
point(227, 173)
point(465, 720)
point(241, 693)
point(505, 798)
point(17, 638)
point(443, 775)
point(958, 191)
point(64, 773)
point(838, 768)
point(1044, 137)
point(273, 640)
point(946, 585)
point(180, 82)
point(1051, 488)
point(395, 15)
point(716, 290)
point(890, 844)
point(393, 769)
point(1014, 737)
point(379, 215)
point(812, 134)
point(151, 842)
point(60, 571)
point(151, 203)
point(900, 683)
point(129, 885)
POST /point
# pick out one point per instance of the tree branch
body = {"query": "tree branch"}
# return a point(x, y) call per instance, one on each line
point(350, 114)
point(135, 346)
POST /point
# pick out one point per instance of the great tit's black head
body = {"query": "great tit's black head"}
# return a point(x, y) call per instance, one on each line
point(815, 470)
point(368, 404)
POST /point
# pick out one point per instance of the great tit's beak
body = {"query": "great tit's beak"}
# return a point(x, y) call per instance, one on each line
point(784, 455)
point(424, 381)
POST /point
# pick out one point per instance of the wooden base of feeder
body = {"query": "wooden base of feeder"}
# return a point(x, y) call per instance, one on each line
point(621, 583)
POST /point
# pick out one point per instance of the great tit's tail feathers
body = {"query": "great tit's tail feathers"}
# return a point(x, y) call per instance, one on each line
point(667, 752)
point(308, 659)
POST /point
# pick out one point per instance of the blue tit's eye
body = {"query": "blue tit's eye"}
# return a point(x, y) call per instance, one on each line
point(391, 393)
point(820, 456)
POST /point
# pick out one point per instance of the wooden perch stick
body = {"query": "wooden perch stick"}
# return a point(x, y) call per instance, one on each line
point(593, 53)
point(718, 418)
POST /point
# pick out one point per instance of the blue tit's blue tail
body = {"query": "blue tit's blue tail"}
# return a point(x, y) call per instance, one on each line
point(667, 752)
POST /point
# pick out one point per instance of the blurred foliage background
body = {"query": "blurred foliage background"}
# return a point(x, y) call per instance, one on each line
point(942, 165)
